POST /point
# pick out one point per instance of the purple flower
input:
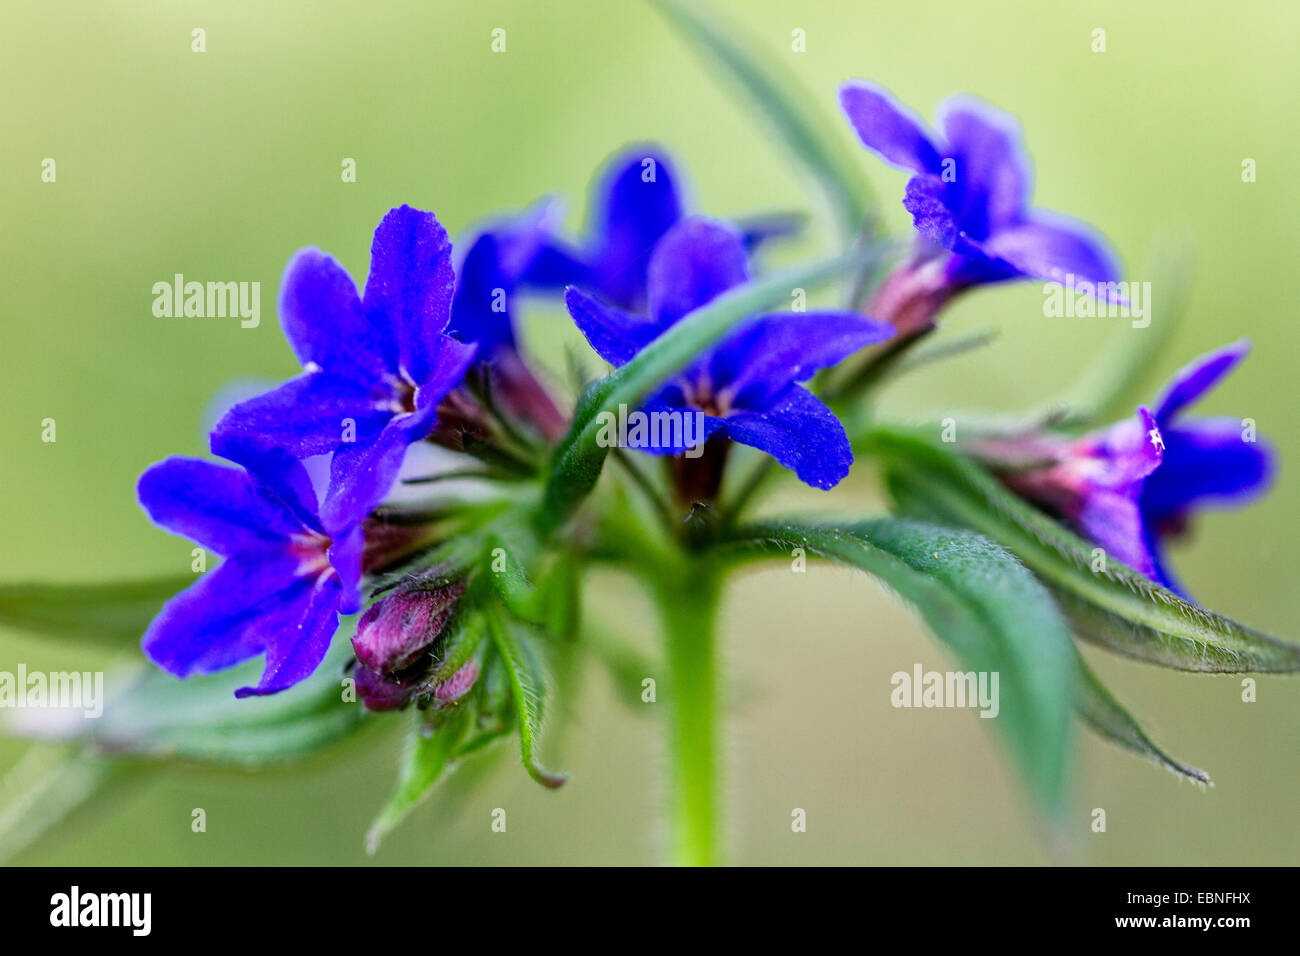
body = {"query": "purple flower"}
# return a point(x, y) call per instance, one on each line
point(489, 276)
point(375, 366)
point(1094, 482)
point(1130, 485)
point(969, 200)
point(745, 387)
point(635, 201)
point(492, 270)
point(286, 577)
point(1207, 460)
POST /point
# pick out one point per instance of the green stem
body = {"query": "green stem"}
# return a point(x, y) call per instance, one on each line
point(688, 603)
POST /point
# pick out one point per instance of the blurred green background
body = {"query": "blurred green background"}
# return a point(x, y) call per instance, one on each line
point(220, 165)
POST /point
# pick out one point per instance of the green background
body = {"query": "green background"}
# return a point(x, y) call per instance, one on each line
point(220, 165)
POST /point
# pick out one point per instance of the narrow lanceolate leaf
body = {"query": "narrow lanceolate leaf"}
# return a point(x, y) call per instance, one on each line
point(1104, 714)
point(1113, 605)
point(524, 674)
point(985, 606)
point(579, 458)
point(798, 117)
point(149, 713)
point(426, 755)
point(114, 612)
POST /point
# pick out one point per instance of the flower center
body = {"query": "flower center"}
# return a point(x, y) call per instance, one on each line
point(401, 399)
point(312, 552)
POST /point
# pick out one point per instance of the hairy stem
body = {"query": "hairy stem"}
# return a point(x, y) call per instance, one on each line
point(688, 603)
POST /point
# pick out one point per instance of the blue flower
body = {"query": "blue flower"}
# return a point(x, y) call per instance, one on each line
point(492, 270)
point(490, 274)
point(375, 366)
point(969, 200)
point(286, 577)
point(745, 387)
point(1134, 483)
point(1206, 460)
point(635, 201)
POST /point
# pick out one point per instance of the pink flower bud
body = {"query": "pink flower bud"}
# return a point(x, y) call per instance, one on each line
point(458, 684)
point(396, 630)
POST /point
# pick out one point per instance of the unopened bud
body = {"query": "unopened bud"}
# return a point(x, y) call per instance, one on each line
point(382, 692)
point(458, 684)
point(396, 630)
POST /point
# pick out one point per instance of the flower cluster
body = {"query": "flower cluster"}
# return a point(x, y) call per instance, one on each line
point(429, 353)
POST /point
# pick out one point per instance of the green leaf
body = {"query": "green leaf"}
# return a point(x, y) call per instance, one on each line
point(150, 713)
point(426, 755)
point(982, 603)
point(1115, 606)
point(1104, 714)
point(524, 673)
point(797, 115)
point(579, 458)
point(115, 612)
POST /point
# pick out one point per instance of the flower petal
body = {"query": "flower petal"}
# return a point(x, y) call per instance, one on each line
point(1112, 519)
point(346, 553)
point(756, 363)
point(801, 433)
point(215, 505)
point(480, 311)
point(1124, 453)
point(295, 648)
point(637, 202)
point(1206, 459)
point(1053, 248)
point(361, 475)
point(614, 334)
point(448, 361)
point(992, 174)
point(1199, 376)
point(486, 280)
point(275, 471)
point(887, 127)
point(307, 415)
point(926, 198)
point(225, 617)
point(409, 290)
point(697, 260)
point(322, 317)
point(668, 426)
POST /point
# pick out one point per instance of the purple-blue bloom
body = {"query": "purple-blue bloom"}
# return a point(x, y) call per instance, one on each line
point(375, 366)
point(286, 577)
point(491, 271)
point(1131, 484)
point(1207, 460)
point(970, 197)
point(746, 386)
point(635, 200)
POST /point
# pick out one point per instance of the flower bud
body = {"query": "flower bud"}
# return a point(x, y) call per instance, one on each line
point(395, 631)
point(381, 691)
point(458, 684)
